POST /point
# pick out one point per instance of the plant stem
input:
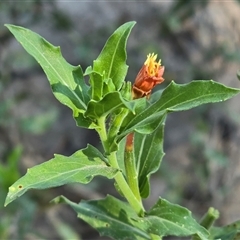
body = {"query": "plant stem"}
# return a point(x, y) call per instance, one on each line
point(119, 178)
point(208, 220)
point(131, 173)
point(102, 132)
point(127, 192)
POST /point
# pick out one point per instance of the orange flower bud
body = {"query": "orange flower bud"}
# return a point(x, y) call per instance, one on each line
point(148, 77)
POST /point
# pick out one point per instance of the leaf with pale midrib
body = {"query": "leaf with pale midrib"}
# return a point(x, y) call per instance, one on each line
point(66, 80)
point(116, 219)
point(80, 167)
point(177, 97)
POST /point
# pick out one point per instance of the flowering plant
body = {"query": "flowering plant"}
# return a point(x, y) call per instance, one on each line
point(130, 123)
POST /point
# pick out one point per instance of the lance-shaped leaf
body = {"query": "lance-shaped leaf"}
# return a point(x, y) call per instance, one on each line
point(229, 232)
point(148, 153)
point(166, 219)
point(80, 167)
point(110, 102)
point(111, 63)
point(179, 97)
point(111, 217)
point(66, 80)
point(116, 219)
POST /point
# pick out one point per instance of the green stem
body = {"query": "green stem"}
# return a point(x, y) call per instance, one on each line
point(208, 220)
point(131, 173)
point(119, 178)
point(102, 132)
point(127, 192)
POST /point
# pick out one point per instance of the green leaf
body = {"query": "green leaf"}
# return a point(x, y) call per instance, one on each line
point(148, 152)
point(167, 219)
point(108, 86)
point(148, 118)
point(111, 217)
point(140, 105)
point(99, 86)
point(66, 80)
point(118, 117)
point(116, 219)
point(178, 97)
point(80, 167)
point(110, 102)
point(111, 63)
point(96, 82)
point(229, 232)
point(145, 126)
point(85, 122)
point(126, 90)
point(82, 88)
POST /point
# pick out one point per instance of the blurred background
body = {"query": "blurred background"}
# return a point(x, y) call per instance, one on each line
point(195, 40)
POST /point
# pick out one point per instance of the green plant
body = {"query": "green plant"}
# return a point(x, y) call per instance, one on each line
point(130, 123)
